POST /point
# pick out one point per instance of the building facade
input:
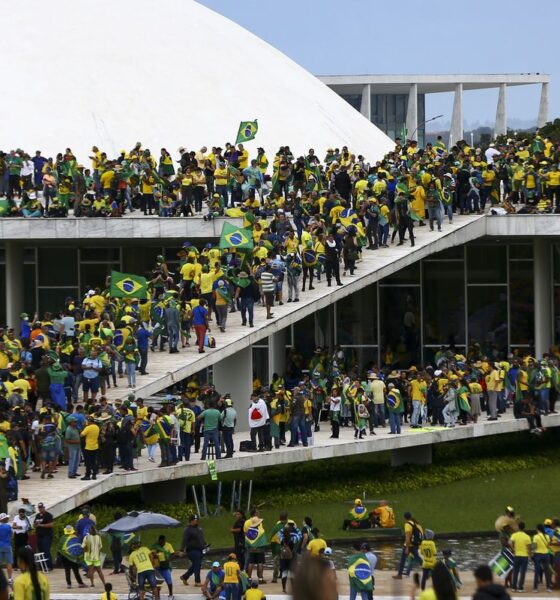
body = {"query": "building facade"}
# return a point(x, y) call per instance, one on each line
point(396, 103)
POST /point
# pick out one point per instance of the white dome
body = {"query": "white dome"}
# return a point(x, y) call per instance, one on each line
point(167, 73)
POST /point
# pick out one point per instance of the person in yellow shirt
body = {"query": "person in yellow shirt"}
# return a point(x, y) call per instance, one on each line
point(232, 573)
point(428, 552)
point(521, 545)
point(383, 515)
point(141, 560)
point(243, 158)
point(317, 544)
point(91, 448)
point(541, 548)
point(108, 594)
point(254, 593)
point(188, 271)
point(31, 584)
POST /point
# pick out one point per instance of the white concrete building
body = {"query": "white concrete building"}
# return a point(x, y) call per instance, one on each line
point(397, 102)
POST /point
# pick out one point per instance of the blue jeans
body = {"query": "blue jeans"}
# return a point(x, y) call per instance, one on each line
point(413, 552)
point(173, 336)
point(228, 440)
point(520, 564)
point(298, 424)
point(125, 454)
point(395, 422)
point(434, 214)
point(195, 556)
point(215, 437)
point(131, 373)
point(416, 412)
point(73, 458)
point(247, 306)
point(231, 591)
point(383, 233)
point(354, 594)
point(541, 566)
point(543, 400)
point(185, 447)
point(379, 414)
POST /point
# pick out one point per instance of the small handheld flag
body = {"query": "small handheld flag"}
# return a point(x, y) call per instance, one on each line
point(124, 285)
point(247, 131)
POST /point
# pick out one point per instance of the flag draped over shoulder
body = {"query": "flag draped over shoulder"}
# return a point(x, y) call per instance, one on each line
point(236, 237)
point(247, 131)
point(124, 285)
point(255, 537)
point(359, 572)
point(395, 403)
point(313, 177)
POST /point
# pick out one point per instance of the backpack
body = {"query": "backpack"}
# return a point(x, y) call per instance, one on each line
point(286, 553)
point(417, 535)
point(539, 378)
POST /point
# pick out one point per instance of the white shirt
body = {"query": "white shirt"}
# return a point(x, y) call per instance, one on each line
point(22, 525)
point(335, 404)
point(258, 413)
point(27, 169)
point(490, 153)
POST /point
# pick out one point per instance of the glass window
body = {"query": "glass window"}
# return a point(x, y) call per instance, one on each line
point(29, 255)
point(401, 108)
point(487, 307)
point(556, 262)
point(3, 294)
point(408, 275)
point(444, 302)
point(364, 358)
point(521, 250)
point(354, 100)
point(29, 287)
point(400, 325)
point(304, 336)
point(421, 109)
point(356, 318)
point(58, 266)
point(521, 302)
point(100, 254)
point(455, 253)
point(260, 363)
point(391, 107)
point(557, 314)
point(92, 275)
point(140, 259)
point(430, 353)
point(52, 300)
point(486, 264)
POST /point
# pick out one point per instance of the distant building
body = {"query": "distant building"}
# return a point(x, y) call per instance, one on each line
point(396, 103)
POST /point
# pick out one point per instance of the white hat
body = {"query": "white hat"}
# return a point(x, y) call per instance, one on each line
point(438, 372)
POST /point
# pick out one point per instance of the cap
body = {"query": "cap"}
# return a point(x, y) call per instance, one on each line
point(193, 518)
point(215, 564)
point(327, 551)
point(40, 505)
point(3, 516)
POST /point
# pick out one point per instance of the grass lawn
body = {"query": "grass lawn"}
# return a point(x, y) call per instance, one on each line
point(468, 505)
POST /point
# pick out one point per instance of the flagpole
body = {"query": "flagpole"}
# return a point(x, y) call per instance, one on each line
point(423, 123)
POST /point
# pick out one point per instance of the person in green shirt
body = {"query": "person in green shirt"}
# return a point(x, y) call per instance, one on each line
point(57, 376)
point(210, 419)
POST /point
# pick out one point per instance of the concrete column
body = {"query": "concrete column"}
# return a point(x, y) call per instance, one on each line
point(417, 455)
point(14, 283)
point(412, 113)
point(542, 281)
point(501, 116)
point(365, 107)
point(171, 491)
point(456, 132)
point(277, 353)
point(234, 374)
point(542, 118)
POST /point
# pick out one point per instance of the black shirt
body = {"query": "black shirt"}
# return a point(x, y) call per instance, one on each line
point(239, 537)
point(44, 519)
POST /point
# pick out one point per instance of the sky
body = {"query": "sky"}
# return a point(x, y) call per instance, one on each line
point(344, 37)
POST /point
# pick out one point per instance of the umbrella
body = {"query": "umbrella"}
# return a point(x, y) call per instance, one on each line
point(136, 521)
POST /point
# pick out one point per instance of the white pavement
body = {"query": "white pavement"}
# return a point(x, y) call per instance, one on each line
point(61, 494)
point(165, 370)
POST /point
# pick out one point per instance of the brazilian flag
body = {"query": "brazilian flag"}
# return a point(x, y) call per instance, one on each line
point(309, 257)
point(359, 572)
point(124, 285)
point(236, 237)
point(255, 537)
point(247, 131)
point(395, 403)
point(348, 216)
point(313, 177)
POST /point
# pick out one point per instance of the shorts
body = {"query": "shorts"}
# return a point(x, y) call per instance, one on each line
point(165, 574)
point(147, 576)
point(91, 385)
point(93, 563)
point(269, 298)
point(256, 558)
point(49, 455)
point(6, 556)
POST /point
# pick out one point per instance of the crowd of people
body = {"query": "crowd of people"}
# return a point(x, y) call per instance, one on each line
point(407, 181)
point(294, 554)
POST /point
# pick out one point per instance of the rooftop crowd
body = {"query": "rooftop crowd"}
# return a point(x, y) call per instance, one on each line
point(513, 176)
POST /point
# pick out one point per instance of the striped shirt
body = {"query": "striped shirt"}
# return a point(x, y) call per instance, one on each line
point(267, 282)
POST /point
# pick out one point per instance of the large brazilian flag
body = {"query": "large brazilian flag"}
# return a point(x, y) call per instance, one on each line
point(124, 285)
point(247, 131)
point(395, 403)
point(359, 572)
point(236, 237)
point(255, 537)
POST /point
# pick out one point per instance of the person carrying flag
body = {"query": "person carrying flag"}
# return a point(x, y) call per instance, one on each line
point(360, 575)
point(255, 542)
point(395, 406)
